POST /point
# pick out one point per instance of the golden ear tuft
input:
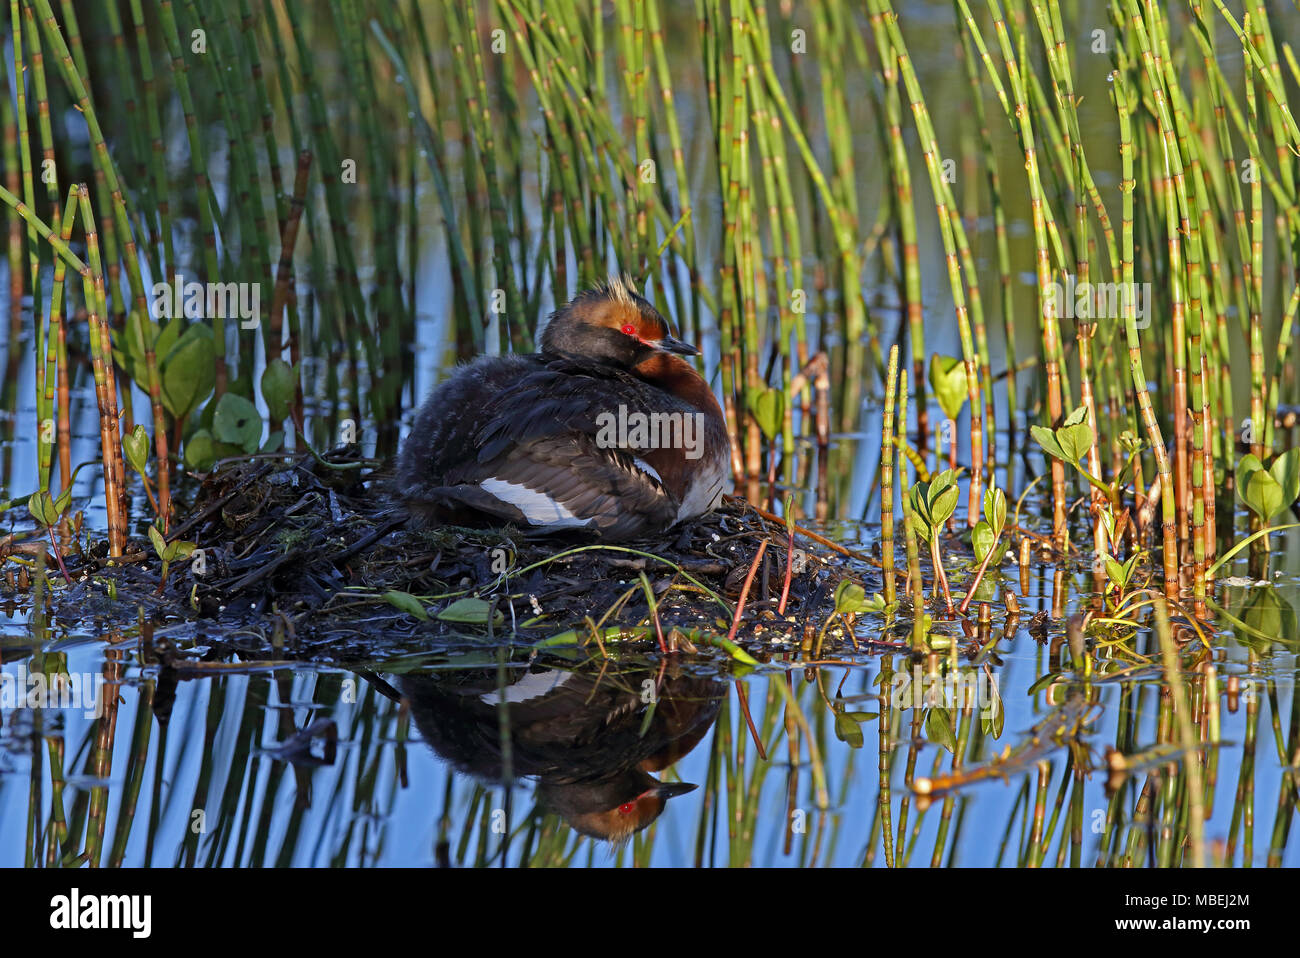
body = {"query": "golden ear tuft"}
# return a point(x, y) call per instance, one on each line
point(621, 289)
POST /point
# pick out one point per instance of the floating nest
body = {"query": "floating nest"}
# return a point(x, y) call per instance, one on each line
point(313, 558)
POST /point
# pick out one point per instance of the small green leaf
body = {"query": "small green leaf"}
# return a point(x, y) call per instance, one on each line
point(995, 509)
point(189, 372)
point(849, 597)
point(159, 545)
point(1267, 613)
point(1130, 565)
point(875, 604)
point(1117, 573)
point(237, 422)
point(136, 448)
point(1286, 471)
point(948, 377)
point(939, 484)
point(179, 549)
point(1269, 491)
point(42, 508)
point(405, 602)
point(1264, 494)
point(1246, 468)
point(1047, 439)
point(1075, 440)
point(169, 337)
point(938, 728)
point(920, 511)
point(917, 497)
point(943, 505)
point(847, 730)
point(1078, 415)
point(768, 409)
point(471, 612)
point(200, 451)
point(1108, 521)
point(982, 539)
point(278, 385)
point(997, 717)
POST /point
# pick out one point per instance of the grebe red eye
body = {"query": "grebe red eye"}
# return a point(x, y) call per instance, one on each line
point(626, 807)
point(629, 329)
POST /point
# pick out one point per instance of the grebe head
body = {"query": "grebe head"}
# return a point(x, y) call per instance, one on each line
point(611, 323)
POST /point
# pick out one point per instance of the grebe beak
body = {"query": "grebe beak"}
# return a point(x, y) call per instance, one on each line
point(671, 789)
point(671, 345)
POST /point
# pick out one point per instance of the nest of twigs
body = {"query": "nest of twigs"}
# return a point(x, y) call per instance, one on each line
point(314, 558)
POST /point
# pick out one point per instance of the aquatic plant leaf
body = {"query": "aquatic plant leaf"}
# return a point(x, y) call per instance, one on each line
point(237, 422)
point(948, 377)
point(1247, 467)
point(278, 385)
point(849, 597)
point(1075, 435)
point(1117, 573)
point(1077, 416)
point(405, 602)
point(159, 545)
point(41, 507)
point(768, 409)
point(200, 451)
point(1108, 522)
point(938, 728)
point(188, 372)
point(942, 496)
point(939, 484)
point(179, 549)
point(470, 612)
point(877, 603)
point(982, 539)
point(1071, 442)
point(993, 716)
point(1286, 471)
point(136, 448)
point(995, 509)
point(1268, 614)
point(1258, 488)
point(920, 511)
point(848, 728)
point(1047, 439)
point(1076, 441)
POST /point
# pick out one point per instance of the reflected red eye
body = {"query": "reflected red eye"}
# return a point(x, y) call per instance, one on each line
point(626, 807)
point(629, 329)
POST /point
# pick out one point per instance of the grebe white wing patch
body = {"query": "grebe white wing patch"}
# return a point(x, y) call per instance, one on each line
point(538, 508)
point(531, 686)
point(649, 470)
